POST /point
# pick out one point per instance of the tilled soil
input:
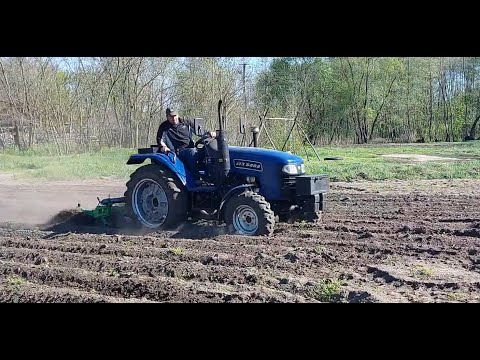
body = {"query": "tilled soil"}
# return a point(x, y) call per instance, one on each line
point(377, 242)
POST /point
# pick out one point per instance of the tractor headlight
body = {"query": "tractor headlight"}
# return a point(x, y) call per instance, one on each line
point(292, 169)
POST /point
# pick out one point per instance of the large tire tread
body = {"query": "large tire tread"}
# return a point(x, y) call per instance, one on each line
point(174, 189)
point(266, 216)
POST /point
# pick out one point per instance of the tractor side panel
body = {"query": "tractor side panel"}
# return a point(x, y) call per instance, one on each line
point(266, 166)
point(268, 176)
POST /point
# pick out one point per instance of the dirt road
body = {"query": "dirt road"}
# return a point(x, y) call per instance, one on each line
point(395, 241)
point(33, 203)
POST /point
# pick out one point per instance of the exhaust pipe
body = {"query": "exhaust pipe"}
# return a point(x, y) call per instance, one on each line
point(255, 132)
point(223, 146)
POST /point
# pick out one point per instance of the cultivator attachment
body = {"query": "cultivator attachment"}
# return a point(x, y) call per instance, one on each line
point(103, 211)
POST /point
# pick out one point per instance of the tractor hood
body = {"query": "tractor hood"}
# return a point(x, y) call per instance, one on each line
point(266, 156)
point(266, 166)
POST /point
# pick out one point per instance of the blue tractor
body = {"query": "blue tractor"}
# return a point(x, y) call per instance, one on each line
point(249, 188)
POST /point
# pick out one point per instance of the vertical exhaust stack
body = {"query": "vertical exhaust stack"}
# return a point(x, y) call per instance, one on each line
point(223, 145)
point(255, 133)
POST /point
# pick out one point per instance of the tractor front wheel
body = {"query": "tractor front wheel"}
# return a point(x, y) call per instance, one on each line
point(250, 214)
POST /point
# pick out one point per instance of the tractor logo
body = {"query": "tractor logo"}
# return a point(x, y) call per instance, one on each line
point(247, 164)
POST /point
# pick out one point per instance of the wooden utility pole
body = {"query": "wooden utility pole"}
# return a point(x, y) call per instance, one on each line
point(244, 95)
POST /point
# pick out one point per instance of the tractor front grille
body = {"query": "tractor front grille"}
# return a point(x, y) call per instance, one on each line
point(289, 185)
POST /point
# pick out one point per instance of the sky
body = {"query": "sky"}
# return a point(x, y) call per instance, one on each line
point(254, 64)
point(257, 63)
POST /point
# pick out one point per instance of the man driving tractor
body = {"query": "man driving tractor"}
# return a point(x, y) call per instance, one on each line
point(247, 188)
point(175, 135)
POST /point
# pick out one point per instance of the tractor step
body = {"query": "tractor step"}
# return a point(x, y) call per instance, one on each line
point(208, 188)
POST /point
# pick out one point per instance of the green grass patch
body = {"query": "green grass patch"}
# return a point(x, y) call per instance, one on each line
point(39, 165)
point(15, 280)
point(176, 251)
point(360, 162)
point(364, 162)
point(328, 291)
point(423, 272)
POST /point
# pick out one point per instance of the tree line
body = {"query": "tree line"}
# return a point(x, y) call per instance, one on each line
point(82, 104)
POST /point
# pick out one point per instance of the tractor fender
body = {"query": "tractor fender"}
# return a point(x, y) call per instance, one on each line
point(170, 161)
point(237, 190)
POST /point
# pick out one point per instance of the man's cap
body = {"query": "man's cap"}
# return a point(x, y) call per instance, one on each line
point(171, 112)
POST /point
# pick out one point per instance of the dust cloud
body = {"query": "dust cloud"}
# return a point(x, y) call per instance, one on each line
point(41, 203)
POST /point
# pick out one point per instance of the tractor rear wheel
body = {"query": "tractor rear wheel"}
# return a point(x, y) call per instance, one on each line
point(250, 214)
point(155, 198)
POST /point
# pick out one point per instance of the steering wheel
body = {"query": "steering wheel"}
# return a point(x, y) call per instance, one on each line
point(202, 141)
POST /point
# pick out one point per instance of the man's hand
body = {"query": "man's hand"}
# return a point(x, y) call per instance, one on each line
point(212, 134)
point(164, 149)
